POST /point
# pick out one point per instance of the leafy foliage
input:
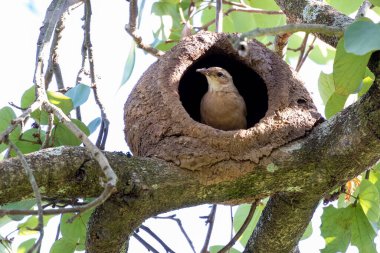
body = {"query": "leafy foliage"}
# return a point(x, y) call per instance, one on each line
point(79, 94)
point(340, 226)
point(73, 233)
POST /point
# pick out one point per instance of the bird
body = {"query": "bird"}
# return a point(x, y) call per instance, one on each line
point(222, 106)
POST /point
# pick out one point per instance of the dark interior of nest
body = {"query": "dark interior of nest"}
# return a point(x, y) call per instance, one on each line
point(251, 86)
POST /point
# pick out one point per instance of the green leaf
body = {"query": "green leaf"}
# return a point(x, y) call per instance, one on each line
point(30, 141)
point(76, 230)
point(264, 20)
point(63, 245)
point(375, 2)
point(26, 245)
point(6, 116)
point(27, 227)
point(63, 102)
point(325, 86)
point(64, 137)
point(367, 82)
point(334, 104)
point(239, 22)
point(129, 64)
point(362, 37)
point(374, 176)
point(344, 225)
point(81, 244)
point(363, 234)
point(79, 94)
point(308, 232)
point(264, 4)
point(369, 200)
point(321, 53)
point(216, 248)
point(349, 70)
point(345, 6)
point(336, 228)
point(28, 97)
point(162, 8)
point(241, 215)
point(93, 125)
point(170, 24)
point(56, 98)
point(25, 204)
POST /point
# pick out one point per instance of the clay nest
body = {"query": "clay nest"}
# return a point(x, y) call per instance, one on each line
point(162, 113)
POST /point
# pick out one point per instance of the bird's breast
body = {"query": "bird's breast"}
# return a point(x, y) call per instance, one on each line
point(224, 110)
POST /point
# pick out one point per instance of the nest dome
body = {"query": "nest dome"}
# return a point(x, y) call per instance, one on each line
point(162, 113)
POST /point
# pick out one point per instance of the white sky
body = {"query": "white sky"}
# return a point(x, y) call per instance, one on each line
point(19, 31)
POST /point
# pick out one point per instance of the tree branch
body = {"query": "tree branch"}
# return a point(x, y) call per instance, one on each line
point(304, 171)
point(314, 12)
point(132, 30)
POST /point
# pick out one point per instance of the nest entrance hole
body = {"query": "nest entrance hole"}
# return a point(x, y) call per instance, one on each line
point(251, 86)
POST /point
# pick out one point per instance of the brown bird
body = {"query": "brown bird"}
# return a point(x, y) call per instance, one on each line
point(222, 106)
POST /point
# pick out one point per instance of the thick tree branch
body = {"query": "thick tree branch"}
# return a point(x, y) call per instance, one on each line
point(331, 152)
point(303, 171)
point(314, 12)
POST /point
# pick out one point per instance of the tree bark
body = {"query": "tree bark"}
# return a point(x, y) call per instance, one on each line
point(302, 171)
point(314, 12)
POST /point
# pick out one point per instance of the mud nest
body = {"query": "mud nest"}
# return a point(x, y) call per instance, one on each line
point(162, 113)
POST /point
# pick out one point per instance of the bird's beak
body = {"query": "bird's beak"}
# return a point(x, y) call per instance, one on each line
point(203, 71)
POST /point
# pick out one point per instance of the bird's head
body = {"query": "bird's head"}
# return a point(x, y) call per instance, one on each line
point(217, 78)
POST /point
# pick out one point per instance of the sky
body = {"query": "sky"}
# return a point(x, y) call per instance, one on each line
point(19, 25)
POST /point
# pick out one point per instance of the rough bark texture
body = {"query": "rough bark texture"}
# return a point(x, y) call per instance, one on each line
point(162, 111)
point(300, 173)
point(314, 12)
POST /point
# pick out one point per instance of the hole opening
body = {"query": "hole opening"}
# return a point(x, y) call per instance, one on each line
point(250, 85)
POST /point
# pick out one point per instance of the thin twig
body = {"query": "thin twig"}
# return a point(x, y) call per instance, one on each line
point(53, 14)
point(48, 133)
point(103, 133)
point(219, 16)
point(132, 30)
point(242, 228)
point(232, 223)
point(210, 221)
point(58, 232)
point(53, 65)
point(302, 51)
point(37, 195)
point(363, 9)
point(157, 238)
point(144, 243)
point(292, 28)
point(179, 223)
point(240, 43)
point(306, 54)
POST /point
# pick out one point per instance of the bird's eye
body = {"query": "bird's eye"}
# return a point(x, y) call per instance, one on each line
point(219, 74)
